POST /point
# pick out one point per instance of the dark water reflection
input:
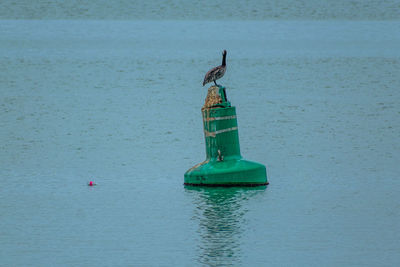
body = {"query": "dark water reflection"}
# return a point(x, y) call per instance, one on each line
point(220, 213)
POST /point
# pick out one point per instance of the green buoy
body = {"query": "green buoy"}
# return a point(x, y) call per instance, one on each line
point(224, 166)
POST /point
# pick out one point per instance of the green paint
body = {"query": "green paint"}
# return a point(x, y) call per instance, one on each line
point(224, 165)
point(222, 92)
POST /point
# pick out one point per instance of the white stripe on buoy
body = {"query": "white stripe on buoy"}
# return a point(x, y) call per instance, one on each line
point(220, 118)
point(214, 134)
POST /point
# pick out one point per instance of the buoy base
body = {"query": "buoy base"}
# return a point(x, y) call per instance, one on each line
point(226, 185)
point(236, 172)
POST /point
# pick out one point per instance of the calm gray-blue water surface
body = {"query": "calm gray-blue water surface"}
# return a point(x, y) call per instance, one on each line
point(118, 102)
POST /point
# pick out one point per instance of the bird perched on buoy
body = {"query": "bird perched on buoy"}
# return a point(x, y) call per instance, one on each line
point(217, 72)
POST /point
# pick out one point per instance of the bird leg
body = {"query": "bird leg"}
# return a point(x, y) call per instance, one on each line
point(226, 98)
point(215, 83)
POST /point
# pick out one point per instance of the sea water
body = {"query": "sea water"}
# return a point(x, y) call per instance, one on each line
point(118, 102)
